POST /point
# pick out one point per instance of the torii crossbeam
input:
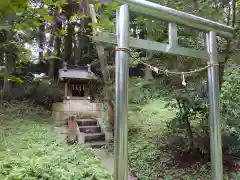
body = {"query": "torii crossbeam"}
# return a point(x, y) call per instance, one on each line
point(122, 40)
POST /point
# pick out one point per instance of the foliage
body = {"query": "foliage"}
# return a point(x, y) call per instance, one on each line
point(192, 106)
point(46, 94)
point(25, 109)
point(142, 91)
point(11, 6)
point(157, 131)
point(230, 98)
point(149, 121)
point(30, 149)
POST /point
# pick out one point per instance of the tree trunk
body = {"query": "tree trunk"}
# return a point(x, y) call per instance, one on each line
point(68, 43)
point(49, 51)
point(189, 131)
point(186, 123)
point(148, 73)
point(58, 40)
point(41, 37)
point(79, 46)
point(103, 64)
point(228, 45)
point(55, 27)
point(57, 50)
point(10, 65)
point(111, 112)
point(68, 39)
point(148, 70)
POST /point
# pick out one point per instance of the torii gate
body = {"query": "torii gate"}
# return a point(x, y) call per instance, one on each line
point(123, 42)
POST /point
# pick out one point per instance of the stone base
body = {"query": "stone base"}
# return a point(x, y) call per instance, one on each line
point(82, 108)
point(108, 133)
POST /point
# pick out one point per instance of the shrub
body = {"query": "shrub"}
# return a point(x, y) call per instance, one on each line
point(47, 94)
point(22, 109)
point(142, 91)
point(230, 98)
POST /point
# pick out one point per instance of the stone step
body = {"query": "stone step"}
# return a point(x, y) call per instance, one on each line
point(90, 129)
point(91, 137)
point(97, 144)
point(87, 122)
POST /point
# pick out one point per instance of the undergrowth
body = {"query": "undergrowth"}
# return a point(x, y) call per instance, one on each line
point(29, 149)
point(155, 151)
point(150, 154)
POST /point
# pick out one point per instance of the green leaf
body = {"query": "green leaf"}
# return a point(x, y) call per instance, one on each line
point(42, 12)
point(98, 5)
point(11, 78)
point(49, 18)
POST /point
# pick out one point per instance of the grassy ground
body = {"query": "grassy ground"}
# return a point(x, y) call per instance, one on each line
point(153, 152)
point(29, 149)
point(148, 154)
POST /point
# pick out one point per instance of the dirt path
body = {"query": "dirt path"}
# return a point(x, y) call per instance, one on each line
point(106, 158)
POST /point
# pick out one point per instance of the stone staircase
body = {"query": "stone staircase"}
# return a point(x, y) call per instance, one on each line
point(84, 120)
point(90, 133)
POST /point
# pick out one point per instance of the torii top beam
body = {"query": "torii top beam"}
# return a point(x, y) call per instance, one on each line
point(178, 17)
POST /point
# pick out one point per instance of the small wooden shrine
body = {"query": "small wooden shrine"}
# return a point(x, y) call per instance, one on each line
point(77, 80)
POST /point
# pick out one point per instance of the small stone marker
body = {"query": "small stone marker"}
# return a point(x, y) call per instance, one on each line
point(72, 131)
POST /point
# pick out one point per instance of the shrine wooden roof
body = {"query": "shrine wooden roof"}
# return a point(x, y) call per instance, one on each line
point(76, 73)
